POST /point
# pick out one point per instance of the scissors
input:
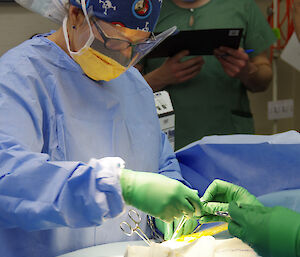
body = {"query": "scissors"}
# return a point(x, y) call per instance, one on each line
point(128, 229)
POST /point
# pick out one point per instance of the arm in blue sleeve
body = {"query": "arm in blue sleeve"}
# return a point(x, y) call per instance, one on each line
point(168, 163)
point(36, 192)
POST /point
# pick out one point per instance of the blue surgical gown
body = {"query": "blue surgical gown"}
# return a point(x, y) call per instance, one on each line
point(53, 120)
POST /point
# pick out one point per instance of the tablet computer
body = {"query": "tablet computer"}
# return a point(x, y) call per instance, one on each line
point(198, 42)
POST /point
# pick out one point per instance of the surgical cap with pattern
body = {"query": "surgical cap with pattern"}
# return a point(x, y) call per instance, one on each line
point(133, 14)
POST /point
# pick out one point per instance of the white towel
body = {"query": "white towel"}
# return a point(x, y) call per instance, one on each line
point(206, 246)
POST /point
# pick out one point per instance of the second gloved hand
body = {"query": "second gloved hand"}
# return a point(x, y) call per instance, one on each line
point(159, 196)
point(217, 197)
point(168, 229)
point(269, 231)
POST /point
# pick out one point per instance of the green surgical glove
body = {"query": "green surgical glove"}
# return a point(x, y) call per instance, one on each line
point(159, 196)
point(272, 232)
point(217, 197)
point(168, 229)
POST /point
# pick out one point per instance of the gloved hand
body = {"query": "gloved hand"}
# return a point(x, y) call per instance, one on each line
point(159, 196)
point(168, 229)
point(273, 232)
point(217, 197)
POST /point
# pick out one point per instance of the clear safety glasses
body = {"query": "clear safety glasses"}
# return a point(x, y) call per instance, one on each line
point(115, 42)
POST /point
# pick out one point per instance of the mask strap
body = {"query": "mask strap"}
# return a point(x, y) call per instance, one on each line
point(91, 37)
point(66, 35)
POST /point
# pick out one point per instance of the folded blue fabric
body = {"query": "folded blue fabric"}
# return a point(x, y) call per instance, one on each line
point(261, 168)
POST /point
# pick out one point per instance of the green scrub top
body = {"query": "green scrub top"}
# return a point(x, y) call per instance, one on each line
point(213, 103)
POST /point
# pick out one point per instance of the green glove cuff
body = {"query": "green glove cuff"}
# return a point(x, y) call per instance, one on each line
point(127, 180)
point(284, 232)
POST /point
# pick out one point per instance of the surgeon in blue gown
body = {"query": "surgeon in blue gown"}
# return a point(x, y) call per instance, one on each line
point(70, 123)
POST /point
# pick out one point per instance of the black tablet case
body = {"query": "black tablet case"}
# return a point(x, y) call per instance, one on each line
point(198, 42)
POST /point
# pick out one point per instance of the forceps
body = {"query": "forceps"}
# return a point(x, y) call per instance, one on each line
point(179, 226)
point(128, 229)
point(222, 214)
point(218, 213)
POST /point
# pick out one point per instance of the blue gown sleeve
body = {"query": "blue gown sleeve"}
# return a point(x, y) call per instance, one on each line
point(36, 192)
point(168, 162)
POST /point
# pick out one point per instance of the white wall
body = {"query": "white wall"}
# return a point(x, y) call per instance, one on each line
point(288, 88)
point(18, 24)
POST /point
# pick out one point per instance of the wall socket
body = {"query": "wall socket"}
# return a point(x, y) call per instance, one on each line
point(280, 109)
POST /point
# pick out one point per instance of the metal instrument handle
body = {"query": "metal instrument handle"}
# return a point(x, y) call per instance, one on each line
point(124, 223)
point(142, 235)
point(136, 218)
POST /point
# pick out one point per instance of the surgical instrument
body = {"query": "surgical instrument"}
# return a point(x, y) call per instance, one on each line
point(222, 214)
point(218, 213)
point(128, 229)
point(197, 228)
point(179, 226)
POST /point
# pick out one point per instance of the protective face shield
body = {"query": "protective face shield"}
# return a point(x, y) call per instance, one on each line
point(104, 51)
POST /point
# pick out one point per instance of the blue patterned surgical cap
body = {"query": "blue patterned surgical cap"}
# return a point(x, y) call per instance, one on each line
point(133, 14)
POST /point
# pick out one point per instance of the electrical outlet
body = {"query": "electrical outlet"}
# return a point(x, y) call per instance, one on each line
point(281, 109)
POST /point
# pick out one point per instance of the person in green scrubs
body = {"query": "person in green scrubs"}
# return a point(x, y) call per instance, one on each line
point(209, 93)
